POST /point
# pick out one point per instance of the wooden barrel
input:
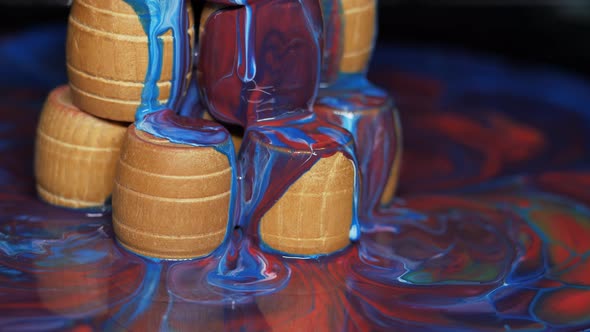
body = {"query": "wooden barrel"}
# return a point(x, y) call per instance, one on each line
point(359, 18)
point(75, 153)
point(314, 215)
point(208, 9)
point(170, 200)
point(376, 127)
point(392, 182)
point(107, 58)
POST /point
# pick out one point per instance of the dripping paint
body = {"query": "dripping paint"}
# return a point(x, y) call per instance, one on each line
point(482, 237)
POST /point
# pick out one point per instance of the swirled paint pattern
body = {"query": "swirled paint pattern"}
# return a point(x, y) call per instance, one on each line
point(489, 231)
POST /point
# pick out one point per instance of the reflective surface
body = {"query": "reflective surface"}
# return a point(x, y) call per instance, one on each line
point(490, 230)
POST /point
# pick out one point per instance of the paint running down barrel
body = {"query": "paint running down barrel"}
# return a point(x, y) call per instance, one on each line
point(375, 125)
point(170, 200)
point(314, 216)
point(315, 211)
point(76, 154)
point(107, 58)
point(348, 99)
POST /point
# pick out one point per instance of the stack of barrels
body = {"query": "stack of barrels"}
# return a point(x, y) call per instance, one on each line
point(169, 200)
point(350, 27)
point(83, 124)
point(314, 215)
point(172, 200)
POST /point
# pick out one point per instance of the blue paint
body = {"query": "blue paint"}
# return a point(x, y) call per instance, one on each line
point(361, 292)
point(265, 174)
point(370, 115)
point(184, 130)
point(247, 44)
point(337, 93)
point(158, 17)
point(199, 133)
point(265, 159)
point(190, 105)
point(241, 267)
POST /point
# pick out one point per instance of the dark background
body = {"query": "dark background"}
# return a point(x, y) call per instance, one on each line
point(537, 32)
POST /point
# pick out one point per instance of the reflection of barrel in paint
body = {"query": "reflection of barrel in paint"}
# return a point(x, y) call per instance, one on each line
point(170, 200)
point(76, 154)
point(314, 215)
point(300, 304)
point(107, 58)
point(359, 33)
point(71, 293)
point(75, 280)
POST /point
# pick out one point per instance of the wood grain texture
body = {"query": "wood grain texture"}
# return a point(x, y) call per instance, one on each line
point(107, 58)
point(170, 200)
point(359, 34)
point(314, 215)
point(75, 154)
point(377, 132)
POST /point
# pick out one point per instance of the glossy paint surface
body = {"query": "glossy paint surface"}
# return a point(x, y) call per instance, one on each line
point(259, 67)
point(159, 17)
point(370, 115)
point(262, 172)
point(349, 100)
point(261, 60)
point(482, 236)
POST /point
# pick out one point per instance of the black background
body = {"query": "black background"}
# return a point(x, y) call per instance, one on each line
point(537, 32)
